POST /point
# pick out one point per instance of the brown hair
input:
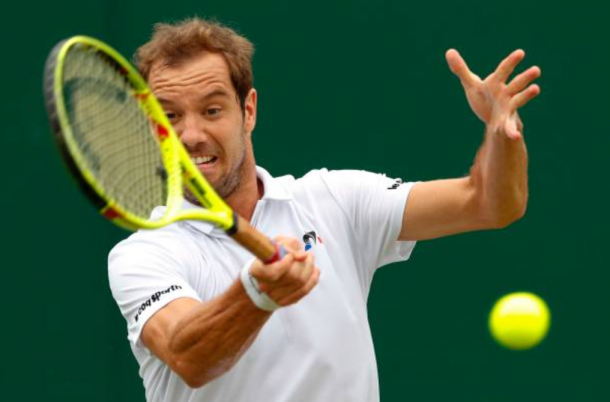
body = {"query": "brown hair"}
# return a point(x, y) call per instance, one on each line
point(173, 43)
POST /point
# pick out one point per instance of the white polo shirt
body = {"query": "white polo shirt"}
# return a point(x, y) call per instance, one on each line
point(318, 350)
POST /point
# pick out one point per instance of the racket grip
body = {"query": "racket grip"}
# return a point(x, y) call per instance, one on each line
point(280, 252)
point(257, 243)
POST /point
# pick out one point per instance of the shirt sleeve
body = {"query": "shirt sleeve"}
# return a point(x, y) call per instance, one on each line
point(375, 205)
point(146, 272)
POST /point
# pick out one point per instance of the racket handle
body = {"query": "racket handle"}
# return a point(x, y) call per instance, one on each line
point(257, 243)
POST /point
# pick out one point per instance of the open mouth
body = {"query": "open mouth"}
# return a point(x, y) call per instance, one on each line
point(203, 160)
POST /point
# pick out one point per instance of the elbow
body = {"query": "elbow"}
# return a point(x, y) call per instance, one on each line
point(194, 382)
point(192, 376)
point(509, 214)
point(181, 362)
point(505, 220)
point(196, 370)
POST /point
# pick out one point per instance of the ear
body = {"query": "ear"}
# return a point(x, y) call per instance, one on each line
point(250, 112)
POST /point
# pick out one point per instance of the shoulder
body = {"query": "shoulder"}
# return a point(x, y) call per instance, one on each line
point(334, 182)
point(317, 180)
point(169, 236)
point(323, 178)
point(174, 236)
point(169, 246)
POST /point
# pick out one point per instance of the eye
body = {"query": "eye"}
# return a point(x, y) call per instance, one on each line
point(213, 111)
point(172, 116)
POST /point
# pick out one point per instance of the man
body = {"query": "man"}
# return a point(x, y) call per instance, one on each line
point(195, 329)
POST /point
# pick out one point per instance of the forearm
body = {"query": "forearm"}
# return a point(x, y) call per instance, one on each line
point(210, 339)
point(499, 177)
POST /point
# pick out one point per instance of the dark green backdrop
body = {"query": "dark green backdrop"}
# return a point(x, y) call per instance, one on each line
point(342, 84)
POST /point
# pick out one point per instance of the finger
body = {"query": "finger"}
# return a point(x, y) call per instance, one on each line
point(520, 82)
point(272, 272)
point(459, 67)
point(301, 255)
point(298, 294)
point(298, 273)
point(523, 97)
point(305, 270)
point(279, 293)
point(291, 244)
point(507, 66)
point(314, 279)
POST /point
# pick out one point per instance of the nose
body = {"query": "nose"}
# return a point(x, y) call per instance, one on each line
point(192, 131)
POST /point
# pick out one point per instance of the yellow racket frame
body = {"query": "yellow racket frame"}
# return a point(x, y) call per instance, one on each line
point(176, 160)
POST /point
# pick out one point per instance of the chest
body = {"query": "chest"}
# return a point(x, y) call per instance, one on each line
point(328, 239)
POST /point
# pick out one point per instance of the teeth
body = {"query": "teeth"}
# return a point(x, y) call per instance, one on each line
point(201, 159)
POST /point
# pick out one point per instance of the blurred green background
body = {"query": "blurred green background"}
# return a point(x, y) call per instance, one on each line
point(342, 84)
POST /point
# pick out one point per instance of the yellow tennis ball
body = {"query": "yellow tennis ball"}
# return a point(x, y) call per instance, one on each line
point(519, 321)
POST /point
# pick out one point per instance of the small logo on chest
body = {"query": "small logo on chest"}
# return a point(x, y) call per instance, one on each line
point(311, 239)
point(396, 184)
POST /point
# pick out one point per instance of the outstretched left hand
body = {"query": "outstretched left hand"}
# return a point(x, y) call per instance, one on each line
point(494, 100)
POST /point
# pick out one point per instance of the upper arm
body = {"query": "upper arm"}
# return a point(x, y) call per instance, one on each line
point(148, 272)
point(157, 331)
point(440, 208)
point(373, 206)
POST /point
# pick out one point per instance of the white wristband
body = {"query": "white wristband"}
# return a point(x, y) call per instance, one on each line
point(259, 298)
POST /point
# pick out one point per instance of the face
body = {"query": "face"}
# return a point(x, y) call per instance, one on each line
point(202, 105)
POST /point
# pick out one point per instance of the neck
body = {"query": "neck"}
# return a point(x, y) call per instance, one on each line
point(243, 200)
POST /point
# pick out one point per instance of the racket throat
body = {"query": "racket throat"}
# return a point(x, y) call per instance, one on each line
point(233, 229)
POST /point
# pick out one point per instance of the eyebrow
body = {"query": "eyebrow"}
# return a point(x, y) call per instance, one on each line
point(214, 93)
point(164, 101)
point(203, 98)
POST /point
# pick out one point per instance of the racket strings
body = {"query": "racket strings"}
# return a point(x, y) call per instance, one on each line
point(113, 134)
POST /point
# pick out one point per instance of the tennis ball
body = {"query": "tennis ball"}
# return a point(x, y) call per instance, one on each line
point(519, 321)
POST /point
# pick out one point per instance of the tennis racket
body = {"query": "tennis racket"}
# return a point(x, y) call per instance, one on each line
point(122, 150)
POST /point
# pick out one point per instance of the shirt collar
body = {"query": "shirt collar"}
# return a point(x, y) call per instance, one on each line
point(274, 189)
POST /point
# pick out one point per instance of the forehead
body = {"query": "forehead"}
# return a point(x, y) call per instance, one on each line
point(204, 69)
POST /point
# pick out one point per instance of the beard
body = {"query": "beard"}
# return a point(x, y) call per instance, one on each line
point(230, 182)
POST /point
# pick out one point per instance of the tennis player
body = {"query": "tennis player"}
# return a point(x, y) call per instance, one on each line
point(200, 329)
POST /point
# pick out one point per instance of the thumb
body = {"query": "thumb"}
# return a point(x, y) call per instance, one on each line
point(511, 127)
